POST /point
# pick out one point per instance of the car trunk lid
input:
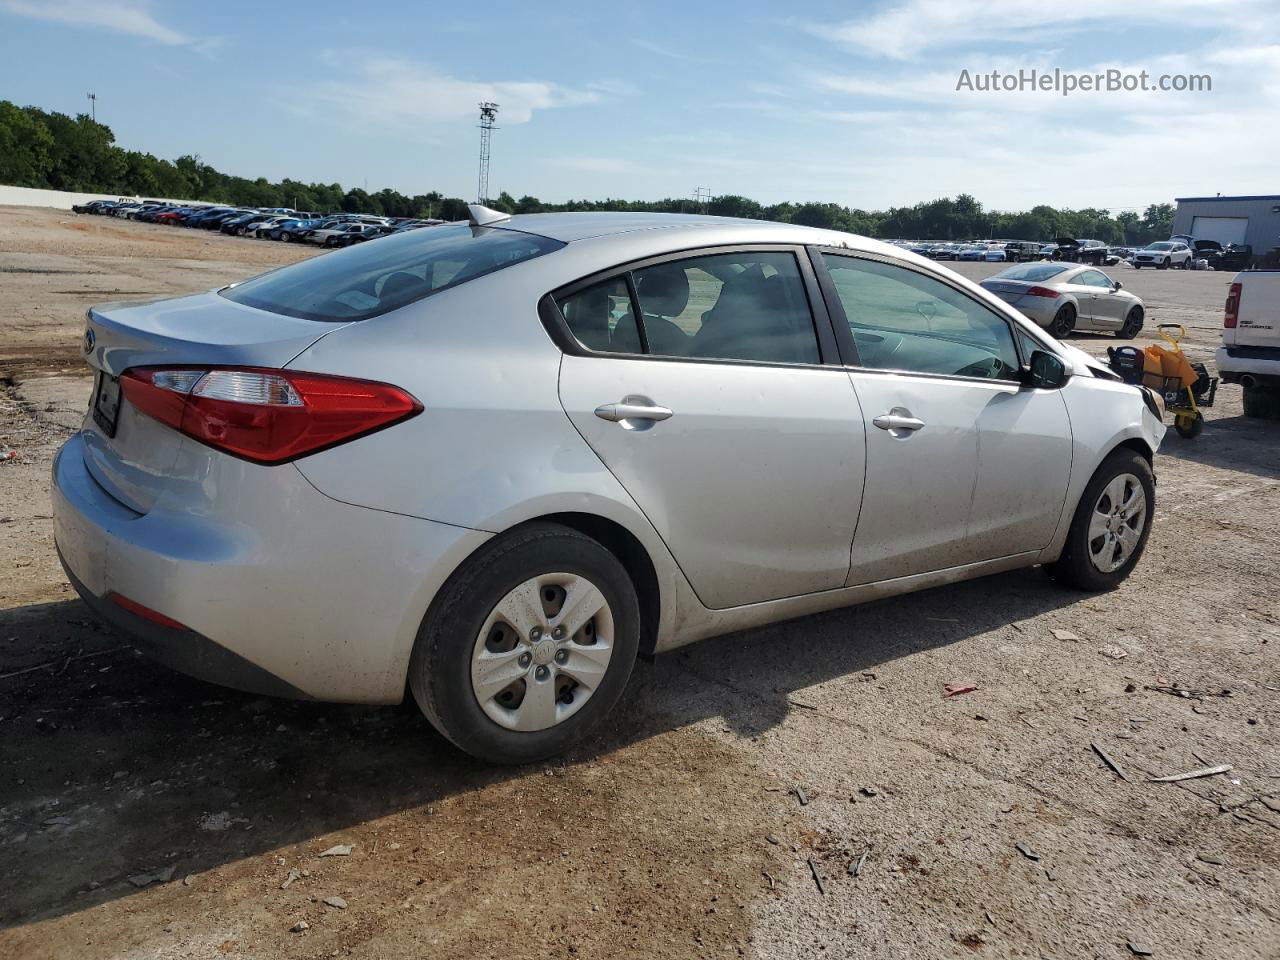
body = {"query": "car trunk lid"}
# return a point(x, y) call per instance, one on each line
point(130, 454)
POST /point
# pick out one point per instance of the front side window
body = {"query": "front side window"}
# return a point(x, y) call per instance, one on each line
point(904, 320)
point(1094, 278)
point(732, 306)
point(367, 280)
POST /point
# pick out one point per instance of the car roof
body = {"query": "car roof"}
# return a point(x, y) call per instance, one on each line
point(682, 231)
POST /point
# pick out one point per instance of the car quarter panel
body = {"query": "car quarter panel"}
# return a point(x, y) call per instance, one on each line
point(323, 595)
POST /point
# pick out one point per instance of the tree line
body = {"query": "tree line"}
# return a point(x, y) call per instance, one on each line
point(51, 150)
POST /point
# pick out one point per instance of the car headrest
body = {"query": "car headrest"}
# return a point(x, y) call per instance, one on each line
point(663, 289)
point(401, 285)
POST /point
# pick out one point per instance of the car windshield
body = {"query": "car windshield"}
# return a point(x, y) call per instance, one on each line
point(1031, 272)
point(367, 280)
point(1162, 245)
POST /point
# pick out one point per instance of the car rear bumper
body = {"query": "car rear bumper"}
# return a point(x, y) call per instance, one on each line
point(1231, 367)
point(277, 588)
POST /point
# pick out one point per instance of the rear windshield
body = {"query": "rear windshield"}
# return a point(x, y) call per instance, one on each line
point(1031, 272)
point(373, 278)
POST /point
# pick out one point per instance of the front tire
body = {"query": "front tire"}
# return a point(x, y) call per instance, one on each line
point(1132, 324)
point(528, 645)
point(1111, 524)
point(1164, 264)
point(1064, 321)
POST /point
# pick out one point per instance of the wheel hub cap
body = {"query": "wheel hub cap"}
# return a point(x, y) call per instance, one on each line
point(542, 653)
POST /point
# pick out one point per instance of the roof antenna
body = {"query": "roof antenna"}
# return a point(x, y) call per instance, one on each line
point(482, 216)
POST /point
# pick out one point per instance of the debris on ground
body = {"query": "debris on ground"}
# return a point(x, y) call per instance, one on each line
point(869, 791)
point(800, 795)
point(1194, 774)
point(817, 878)
point(155, 876)
point(1140, 949)
point(1065, 635)
point(294, 874)
point(1189, 693)
point(958, 687)
point(340, 850)
point(1113, 652)
point(773, 839)
point(1106, 758)
point(1026, 851)
point(856, 866)
point(336, 902)
point(300, 926)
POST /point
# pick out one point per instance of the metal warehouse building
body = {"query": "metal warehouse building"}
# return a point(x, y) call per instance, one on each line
point(1251, 220)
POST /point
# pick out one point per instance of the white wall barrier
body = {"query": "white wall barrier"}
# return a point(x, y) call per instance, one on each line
point(58, 199)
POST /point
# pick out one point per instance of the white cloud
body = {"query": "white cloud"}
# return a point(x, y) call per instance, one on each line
point(395, 92)
point(120, 16)
point(913, 27)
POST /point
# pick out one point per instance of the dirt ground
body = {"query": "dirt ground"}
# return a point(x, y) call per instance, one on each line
point(804, 790)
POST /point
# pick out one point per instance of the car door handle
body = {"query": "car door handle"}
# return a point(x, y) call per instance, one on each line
point(896, 421)
point(616, 412)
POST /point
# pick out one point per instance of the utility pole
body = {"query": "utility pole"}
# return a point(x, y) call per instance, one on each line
point(93, 106)
point(701, 197)
point(488, 117)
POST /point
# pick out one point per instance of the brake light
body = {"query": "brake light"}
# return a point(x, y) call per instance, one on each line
point(1232, 312)
point(1045, 292)
point(267, 416)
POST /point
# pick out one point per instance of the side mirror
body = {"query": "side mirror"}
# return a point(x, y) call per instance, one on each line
point(1116, 284)
point(1047, 371)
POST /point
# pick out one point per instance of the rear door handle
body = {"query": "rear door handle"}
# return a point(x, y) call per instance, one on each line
point(896, 421)
point(616, 412)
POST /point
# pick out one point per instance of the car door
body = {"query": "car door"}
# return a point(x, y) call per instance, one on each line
point(700, 382)
point(964, 462)
point(1108, 309)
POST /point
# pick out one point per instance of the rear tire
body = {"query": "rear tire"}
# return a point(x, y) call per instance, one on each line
point(1078, 566)
point(1064, 321)
point(456, 628)
point(1262, 402)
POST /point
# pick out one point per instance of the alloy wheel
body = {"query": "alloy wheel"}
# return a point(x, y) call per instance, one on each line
point(543, 652)
point(1117, 522)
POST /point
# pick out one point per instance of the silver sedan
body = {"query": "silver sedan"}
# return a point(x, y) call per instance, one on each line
point(1063, 297)
point(494, 462)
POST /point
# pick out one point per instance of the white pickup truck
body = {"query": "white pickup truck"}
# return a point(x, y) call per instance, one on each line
point(1250, 351)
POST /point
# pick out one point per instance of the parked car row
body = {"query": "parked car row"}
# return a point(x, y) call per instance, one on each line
point(272, 223)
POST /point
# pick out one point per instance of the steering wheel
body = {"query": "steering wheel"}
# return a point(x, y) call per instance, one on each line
point(987, 368)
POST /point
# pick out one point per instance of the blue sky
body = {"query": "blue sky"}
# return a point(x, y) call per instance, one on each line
point(853, 102)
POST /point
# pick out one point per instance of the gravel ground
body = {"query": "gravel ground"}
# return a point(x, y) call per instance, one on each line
point(727, 809)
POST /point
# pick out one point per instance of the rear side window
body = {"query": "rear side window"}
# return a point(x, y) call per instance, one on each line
point(733, 306)
point(370, 279)
point(602, 319)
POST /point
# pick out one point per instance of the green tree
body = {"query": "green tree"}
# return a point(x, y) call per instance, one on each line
point(26, 148)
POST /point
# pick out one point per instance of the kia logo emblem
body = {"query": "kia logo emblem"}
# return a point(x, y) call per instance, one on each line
point(89, 341)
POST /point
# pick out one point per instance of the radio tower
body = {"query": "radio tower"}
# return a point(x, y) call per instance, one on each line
point(488, 114)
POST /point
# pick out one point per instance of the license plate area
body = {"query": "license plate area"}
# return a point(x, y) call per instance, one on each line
point(106, 403)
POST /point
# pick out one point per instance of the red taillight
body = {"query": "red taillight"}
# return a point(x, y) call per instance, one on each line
point(146, 613)
point(1042, 292)
point(267, 416)
point(1232, 312)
